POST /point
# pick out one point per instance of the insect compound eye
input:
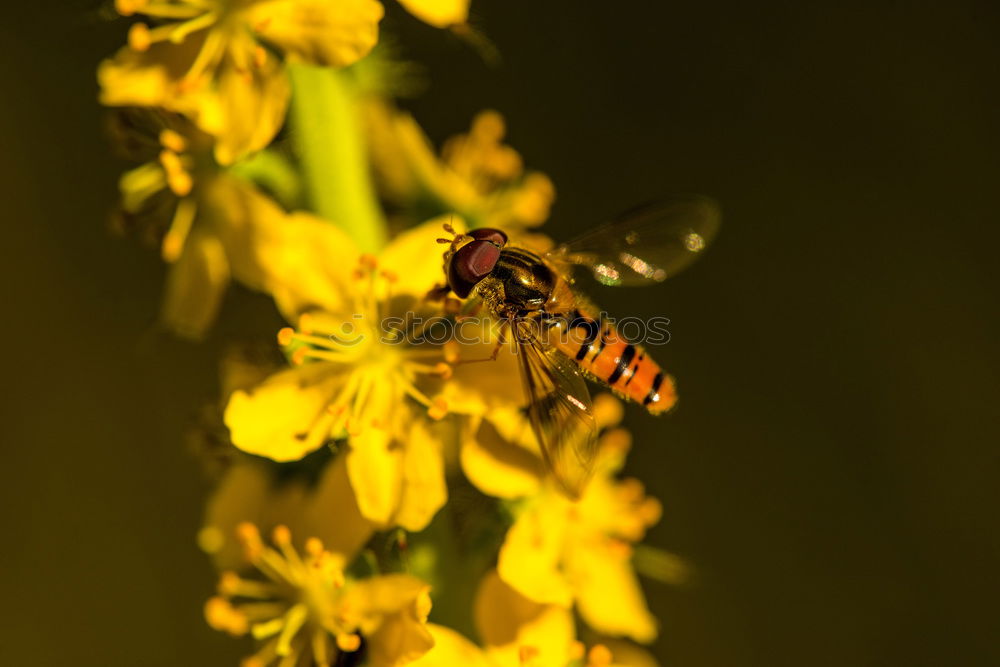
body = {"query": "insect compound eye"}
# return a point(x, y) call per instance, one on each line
point(488, 234)
point(470, 264)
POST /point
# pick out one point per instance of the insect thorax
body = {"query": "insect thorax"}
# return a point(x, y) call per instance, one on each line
point(521, 282)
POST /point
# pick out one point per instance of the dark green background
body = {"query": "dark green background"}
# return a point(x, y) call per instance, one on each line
point(832, 468)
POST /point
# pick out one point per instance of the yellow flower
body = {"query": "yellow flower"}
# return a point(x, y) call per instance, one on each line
point(249, 491)
point(477, 175)
point(561, 551)
point(169, 200)
point(355, 378)
point(213, 226)
point(211, 60)
point(306, 612)
point(518, 632)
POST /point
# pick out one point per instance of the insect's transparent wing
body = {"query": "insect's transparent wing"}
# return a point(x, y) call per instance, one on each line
point(559, 409)
point(647, 245)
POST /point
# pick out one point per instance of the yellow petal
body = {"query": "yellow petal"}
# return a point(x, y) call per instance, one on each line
point(438, 13)
point(283, 418)
point(239, 103)
point(149, 78)
point(249, 493)
point(375, 466)
point(302, 261)
point(416, 256)
point(497, 467)
point(450, 649)
point(242, 495)
point(392, 611)
point(531, 555)
point(424, 488)
point(330, 512)
point(323, 32)
point(246, 110)
point(608, 594)
point(195, 286)
point(512, 625)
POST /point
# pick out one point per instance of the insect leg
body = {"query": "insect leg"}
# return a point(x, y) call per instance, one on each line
point(505, 327)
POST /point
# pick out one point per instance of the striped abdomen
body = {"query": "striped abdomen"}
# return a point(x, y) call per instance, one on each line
point(626, 368)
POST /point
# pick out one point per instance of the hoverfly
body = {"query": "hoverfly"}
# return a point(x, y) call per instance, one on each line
point(560, 337)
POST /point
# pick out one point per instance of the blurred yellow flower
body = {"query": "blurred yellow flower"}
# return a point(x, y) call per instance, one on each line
point(212, 60)
point(306, 612)
point(517, 632)
point(561, 551)
point(356, 376)
point(477, 175)
point(250, 491)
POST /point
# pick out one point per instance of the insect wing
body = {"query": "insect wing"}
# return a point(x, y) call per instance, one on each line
point(559, 409)
point(647, 245)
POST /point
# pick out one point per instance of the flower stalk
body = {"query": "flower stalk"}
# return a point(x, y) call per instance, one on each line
point(327, 137)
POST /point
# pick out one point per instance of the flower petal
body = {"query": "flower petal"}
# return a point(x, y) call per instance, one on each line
point(323, 32)
point(511, 625)
point(304, 262)
point(375, 465)
point(608, 593)
point(424, 488)
point(416, 256)
point(249, 492)
point(438, 13)
point(531, 554)
point(450, 649)
point(149, 78)
point(195, 286)
point(497, 467)
point(246, 109)
point(283, 418)
point(393, 618)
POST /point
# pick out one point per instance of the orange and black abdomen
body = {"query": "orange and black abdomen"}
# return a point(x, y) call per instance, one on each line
point(600, 350)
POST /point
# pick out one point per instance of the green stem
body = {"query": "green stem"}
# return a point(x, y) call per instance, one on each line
point(327, 136)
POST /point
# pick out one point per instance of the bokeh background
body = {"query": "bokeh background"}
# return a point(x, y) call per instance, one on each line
point(831, 471)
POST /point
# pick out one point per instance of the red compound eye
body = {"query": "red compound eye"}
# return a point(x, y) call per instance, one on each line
point(491, 235)
point(470, 264)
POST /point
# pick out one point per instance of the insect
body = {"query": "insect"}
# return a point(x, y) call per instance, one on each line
point(561, 338)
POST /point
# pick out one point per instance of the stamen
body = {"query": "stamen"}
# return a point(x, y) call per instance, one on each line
point(140, 37)
point(294, 620)
point(314, 548)
point(319, 648)
point(438, 409)
point(259, 57)
point(211, 52)
point(368, 261)
point(180, 227)
point(526, 654)
point(178, 178)
point(599, 656)
point(221, 615)
point(172, 140)
point(285, 336)
point(249, 538)
point(129, 7)
point(348, 642)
